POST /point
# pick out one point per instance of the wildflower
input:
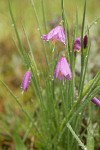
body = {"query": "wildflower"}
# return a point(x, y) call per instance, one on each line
point(85, 41)
point(96, 101)
point(26, 81)
point(62, 70)
point(56, 34)
point(77, 44)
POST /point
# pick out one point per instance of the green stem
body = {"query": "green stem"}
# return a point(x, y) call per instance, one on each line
point(76, 137)
point(93, 23)
point(20, 105)
point(81, 84)
point(63, 18)
point(86, 101)
point(27, 131)
point(72, 112)
point(39, 27)
point(21, 48)
point(78, 111)
point(43, 12)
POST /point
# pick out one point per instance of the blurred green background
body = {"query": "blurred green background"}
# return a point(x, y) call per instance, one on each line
point(11, 65)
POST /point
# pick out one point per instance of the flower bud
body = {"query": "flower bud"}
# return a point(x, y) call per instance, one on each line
point(26, 81)
point(85, 42)
point(96, 101)
point(77, 44)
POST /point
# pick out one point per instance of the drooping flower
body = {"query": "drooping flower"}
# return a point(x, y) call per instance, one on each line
point(77, 44)
point(96, 101)
point(26, 81)
point(85, 41)
point(56, 34)
point(62, 70)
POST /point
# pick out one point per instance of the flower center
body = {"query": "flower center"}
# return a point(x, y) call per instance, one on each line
point(54, 40)
point(60, 74)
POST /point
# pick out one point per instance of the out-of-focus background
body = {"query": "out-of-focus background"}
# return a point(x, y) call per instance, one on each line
point(11, 65)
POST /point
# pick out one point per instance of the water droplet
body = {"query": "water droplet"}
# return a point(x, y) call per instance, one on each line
point(16, 97)
point(12, 25)
point(38, 73)
point(38, 29)
point(50, 76)
point(48, 129)
point(95, 22)
point(35, 123)
point(63, 83)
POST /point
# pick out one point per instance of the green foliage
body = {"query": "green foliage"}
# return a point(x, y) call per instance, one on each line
point(60, 111)
point(19, 145)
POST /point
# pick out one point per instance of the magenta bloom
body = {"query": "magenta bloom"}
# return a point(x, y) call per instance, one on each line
point(62, 70)
point(77, 44)
point(85, 42)
point(26, 81)
point(96, 101)
point(56, 34)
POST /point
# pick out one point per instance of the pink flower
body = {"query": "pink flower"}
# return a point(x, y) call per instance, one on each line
point(62, 70)
point(26, 81)
point(96, 101)
point(77, 44)
point(56, 34)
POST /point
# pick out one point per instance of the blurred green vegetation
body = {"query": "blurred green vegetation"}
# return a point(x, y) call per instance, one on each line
point(11, 66)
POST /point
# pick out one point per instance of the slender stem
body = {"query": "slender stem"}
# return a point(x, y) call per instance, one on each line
point(30, 49)
point(39, 27)
point(76, 137)
point(63, 18)
point(43, 12)
point(81, 84)
point(86, 101)
point(93, 23)
point(72, 111)
point(21, 48)
point(76, 22)
point(20, 105)
point(36, 16)
point(27, 131)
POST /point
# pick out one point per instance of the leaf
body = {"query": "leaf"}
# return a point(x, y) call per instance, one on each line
point(90, 138)
point(19, 145)
point(76, 137)
point(20, 46)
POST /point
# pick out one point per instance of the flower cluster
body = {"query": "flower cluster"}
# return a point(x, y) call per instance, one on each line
point(62, 70)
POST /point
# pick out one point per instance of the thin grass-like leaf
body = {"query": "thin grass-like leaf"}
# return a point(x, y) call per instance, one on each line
point(19, 145)
point(81, 83)
point(21, 48)
point(76, 137)
point(90, 137)
point(21, 106)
